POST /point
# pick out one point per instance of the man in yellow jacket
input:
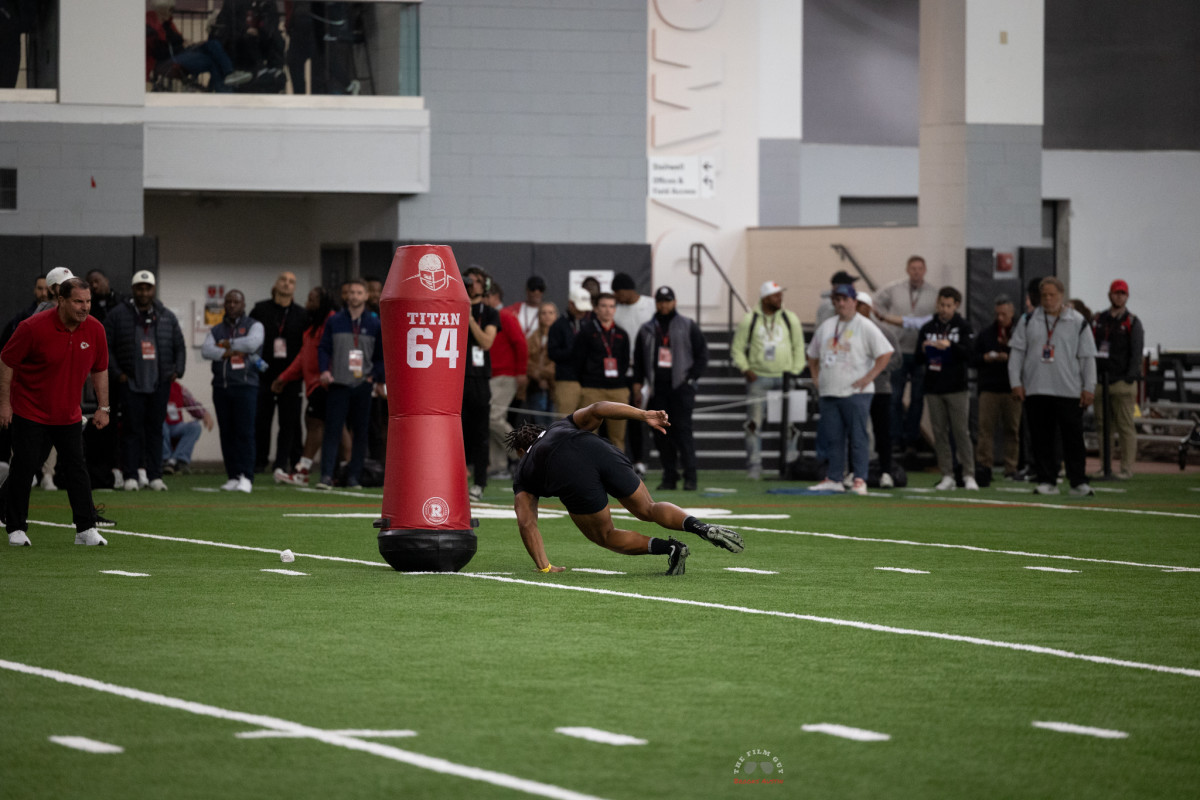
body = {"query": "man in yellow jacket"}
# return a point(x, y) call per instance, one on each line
point(768, 343)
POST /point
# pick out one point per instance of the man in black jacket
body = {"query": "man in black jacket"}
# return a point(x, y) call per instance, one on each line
point(560, 346)
point(1119, 342)
point(601, 357)
point(283, 322)
point(146, 349)
point(996, 401)
point(944, 349)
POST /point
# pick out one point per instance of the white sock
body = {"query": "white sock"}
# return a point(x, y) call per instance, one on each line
point(304, 463)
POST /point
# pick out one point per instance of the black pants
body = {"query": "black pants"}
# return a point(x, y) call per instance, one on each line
point(1049, 418)
point(881, 421)
point(677, 447)
point(30, 442)
point(141, 431)
point(476, 406)
point(287, 444)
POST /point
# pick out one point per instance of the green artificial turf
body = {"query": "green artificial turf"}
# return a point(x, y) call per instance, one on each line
point(484, 669)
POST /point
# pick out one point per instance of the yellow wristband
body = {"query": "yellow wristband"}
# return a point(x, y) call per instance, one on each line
point(547, 569)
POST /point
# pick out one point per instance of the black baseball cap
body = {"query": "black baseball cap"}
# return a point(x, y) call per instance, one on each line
point(842, 277)
point(664, 293)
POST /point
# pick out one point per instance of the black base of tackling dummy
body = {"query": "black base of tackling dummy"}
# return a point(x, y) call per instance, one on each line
point(422, 550)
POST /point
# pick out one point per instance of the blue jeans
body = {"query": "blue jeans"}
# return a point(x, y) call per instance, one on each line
point(756, 417)
point(906, 426)
point(179, 440)
point(208, 57)
point(842, 418)
point(235, 407)
point(345, 405)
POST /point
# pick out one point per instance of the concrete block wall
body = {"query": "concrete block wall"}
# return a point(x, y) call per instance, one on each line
point(538, 121)
point(56, 166)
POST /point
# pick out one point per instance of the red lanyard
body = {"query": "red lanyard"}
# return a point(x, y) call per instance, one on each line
point(837, 331)
point(665, 337)
point(1050, 328)
point(607, 342)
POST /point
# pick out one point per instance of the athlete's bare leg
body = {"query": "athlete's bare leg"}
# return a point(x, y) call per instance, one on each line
point(642, 506)
point(599, 528)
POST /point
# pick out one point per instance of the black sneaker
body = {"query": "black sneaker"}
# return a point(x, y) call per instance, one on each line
point(101, 521)
point(721, 537)
point(677, 558)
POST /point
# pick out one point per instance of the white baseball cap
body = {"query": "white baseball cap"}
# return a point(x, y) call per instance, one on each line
point(57, 275)
point(769, 288)
point(143, 276)
point(865, 299)
point(581, 299)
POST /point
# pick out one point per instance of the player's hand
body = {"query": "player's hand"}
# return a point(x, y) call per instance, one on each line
point(657, 419)
point(557, 569)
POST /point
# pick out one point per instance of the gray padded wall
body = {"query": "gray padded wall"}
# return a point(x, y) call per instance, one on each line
point(538, 115)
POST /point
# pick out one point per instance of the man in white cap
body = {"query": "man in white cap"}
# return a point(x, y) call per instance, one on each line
point(560, 344)
point(769, 342)
point(148, 354)
point(54, 279)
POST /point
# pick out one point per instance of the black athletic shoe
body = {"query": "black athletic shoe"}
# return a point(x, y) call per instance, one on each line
point(103, 522)
point(666, 486)
point(721, 537)
point(677, 558)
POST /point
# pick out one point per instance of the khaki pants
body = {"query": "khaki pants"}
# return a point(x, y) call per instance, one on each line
point(566, 396)
point(616, 427)
point(1121, 397)
point(1005, 409)
point(952, 412)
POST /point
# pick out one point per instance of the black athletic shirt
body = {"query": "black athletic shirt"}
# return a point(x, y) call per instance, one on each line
point(531, 472)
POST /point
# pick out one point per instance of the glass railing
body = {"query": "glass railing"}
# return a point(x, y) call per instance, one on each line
point(254, 47)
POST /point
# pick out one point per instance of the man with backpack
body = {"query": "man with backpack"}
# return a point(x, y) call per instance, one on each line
point(768, 344)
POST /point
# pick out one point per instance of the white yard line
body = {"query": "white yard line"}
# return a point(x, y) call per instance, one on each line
point(579, 569)
point(602, 737)
point(1139, 511)
point(124, 573)
point(1052, 569)
point(751, 571)
point(1068, 727)
point(284, 571)
point(904, 569)
point(869, 626)
point(439, 765)
point(970, 548)
point(86, 745)
point(358, 733)
point(846, 732)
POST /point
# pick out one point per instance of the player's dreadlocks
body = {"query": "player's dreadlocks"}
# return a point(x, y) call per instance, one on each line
point(523, 437)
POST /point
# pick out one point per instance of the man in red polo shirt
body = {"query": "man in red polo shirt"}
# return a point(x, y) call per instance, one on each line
point(42, 371)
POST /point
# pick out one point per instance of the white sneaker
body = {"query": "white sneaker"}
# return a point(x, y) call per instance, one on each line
point(1045, 488)
point(3, 471)
point(859, 487)
point(229, 485)
point(475, 492)
point(48, 482)
point(130, 485)
point(19, 539)
point(1082, 490)
point(281, 476)
point(158, 485)
point(754, 474)
point(90, 537)
point(118, 478)
point(885, 481)
point(143, 481)
point(640, 469)
point(244, 485)
point(828, 486)
point(946, 484)
point(970, 484)
point(848, 481)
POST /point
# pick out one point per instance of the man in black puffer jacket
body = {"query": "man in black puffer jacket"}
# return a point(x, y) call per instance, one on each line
point(147, 352)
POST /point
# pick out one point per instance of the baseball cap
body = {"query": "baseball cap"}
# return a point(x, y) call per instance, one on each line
point(536, 283)
point(622, 280)
point(582, 300)
point(841, 276)
point(769, 288)
point(865, 299)
point(1119, 286)
point(664, 293)
point(846, 290)
point(57, 275)
point(143, 276)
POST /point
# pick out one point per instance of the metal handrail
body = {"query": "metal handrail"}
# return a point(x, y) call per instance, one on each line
point(846, 255)
point(695, 267)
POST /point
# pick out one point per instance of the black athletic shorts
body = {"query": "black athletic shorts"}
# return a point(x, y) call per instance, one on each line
point(316, 404)
point(584, 471)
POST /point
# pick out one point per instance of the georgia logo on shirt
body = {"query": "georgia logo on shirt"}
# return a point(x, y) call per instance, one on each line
point(83, 345)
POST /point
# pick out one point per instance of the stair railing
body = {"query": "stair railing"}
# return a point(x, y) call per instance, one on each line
point(696, 267)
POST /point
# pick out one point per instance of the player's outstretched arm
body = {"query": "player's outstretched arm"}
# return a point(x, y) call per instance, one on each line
point(590, 417)
point(526, 508)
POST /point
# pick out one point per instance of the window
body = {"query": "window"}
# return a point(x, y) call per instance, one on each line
point(8, 190)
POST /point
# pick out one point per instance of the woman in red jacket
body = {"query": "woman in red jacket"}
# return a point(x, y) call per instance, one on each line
point(320, 307)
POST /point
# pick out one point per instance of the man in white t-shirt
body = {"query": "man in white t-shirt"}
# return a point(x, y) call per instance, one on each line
point(847, 352)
